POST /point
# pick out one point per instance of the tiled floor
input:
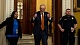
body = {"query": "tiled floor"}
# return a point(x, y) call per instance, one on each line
point(49, 40)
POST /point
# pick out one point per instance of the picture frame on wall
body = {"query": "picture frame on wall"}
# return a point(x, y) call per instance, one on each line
point(76, 5)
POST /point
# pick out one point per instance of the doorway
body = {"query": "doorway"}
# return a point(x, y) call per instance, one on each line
point(26, 9)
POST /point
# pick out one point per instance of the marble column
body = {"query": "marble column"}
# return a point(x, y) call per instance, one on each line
point(6, 8)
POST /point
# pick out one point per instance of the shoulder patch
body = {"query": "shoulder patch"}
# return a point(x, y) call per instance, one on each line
point(60, 18)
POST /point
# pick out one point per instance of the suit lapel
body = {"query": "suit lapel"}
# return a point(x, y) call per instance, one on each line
point(45, 15)
point(39, 16)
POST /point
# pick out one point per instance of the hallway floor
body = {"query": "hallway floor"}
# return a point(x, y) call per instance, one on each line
point(29, 40)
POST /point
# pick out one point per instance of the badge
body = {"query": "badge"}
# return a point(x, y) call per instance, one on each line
point(72, 18)
point(16, 31)
point(60, 18)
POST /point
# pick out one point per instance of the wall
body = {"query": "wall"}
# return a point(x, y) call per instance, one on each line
point(2, 31)
point(48, 4)
point(77, 16)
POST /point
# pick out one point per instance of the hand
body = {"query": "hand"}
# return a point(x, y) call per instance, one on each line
point(62, 30)
point(72, 29)
point(48, 15)
point(35, 16)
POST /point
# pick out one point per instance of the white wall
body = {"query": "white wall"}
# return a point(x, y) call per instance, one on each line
point(1, 19)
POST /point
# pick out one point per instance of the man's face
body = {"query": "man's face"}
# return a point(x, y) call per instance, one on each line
point(68, 12)
point(42, 8)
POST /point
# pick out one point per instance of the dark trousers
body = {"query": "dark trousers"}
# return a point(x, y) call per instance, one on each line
point(50, 28)
point(40, 36)
point(68, 38)
point(12, 40)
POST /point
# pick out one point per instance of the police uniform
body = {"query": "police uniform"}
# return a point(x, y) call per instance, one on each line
point(66, 23)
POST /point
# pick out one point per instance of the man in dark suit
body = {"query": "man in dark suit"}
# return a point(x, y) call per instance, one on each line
point(40, 20)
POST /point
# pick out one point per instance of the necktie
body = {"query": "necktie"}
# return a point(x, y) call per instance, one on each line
point(42, 22)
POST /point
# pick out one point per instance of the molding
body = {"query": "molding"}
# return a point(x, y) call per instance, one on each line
point(67, 4)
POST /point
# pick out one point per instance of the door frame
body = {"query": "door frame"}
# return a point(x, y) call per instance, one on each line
point(57, 10)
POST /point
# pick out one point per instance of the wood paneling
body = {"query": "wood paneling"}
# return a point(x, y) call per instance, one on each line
point(15, 5)
point(29, 9)
point(57, 14)
point(25, 16)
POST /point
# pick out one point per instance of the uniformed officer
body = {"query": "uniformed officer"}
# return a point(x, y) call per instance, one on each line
point(67, 25)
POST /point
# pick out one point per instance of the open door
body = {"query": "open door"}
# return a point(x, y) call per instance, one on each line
point(26, 9)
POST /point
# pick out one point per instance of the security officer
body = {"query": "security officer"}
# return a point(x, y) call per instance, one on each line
point(67, 25)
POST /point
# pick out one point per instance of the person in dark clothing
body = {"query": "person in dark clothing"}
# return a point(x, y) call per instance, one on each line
point(40, 30)
point(13, 28)
point(67, 25)
point(50, 26)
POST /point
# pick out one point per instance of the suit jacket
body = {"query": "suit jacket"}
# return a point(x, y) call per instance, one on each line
point(37, 23)
point(9, 26)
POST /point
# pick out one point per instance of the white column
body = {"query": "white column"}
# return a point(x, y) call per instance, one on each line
point(63, 7)
point(72, 7)
point(67, 4)
point(2, 36)
point(6, 7)
point(9, 8)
